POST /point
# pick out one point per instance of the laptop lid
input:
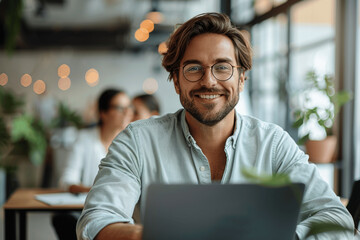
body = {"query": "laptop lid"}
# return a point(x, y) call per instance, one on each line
point(218, 211)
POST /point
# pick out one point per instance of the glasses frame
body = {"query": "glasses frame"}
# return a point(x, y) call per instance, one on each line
point(119, 108)
point(211, 70)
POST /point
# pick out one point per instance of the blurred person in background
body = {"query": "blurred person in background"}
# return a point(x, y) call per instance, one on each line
point(145, 106)
point(92, 145)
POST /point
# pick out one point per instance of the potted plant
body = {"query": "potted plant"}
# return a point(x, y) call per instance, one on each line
point(21, 138)
point(318, 106)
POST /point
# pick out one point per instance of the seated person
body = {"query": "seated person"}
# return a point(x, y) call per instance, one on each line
point(91, 146)
point(206, 141)
point(145, 106)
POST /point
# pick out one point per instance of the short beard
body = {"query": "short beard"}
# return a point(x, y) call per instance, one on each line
point(206, 118)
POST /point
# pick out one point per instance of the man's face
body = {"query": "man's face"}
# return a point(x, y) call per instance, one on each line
point(209, 100)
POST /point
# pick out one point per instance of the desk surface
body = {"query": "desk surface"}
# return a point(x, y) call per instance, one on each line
point(24, 199)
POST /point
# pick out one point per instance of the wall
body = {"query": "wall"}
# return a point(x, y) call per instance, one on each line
point(120, 69)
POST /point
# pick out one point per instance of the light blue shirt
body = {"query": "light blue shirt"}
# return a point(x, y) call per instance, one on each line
point(162, 150)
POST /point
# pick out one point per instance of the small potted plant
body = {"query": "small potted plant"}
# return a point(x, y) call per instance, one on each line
point(318, 106)
point(21, 137)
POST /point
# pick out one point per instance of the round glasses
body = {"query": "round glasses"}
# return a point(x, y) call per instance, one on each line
point(222, 71)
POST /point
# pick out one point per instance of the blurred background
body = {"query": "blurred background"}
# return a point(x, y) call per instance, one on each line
point(56, 56)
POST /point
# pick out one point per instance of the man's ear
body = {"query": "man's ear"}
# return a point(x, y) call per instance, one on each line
point(176, 83)
point(242, 81)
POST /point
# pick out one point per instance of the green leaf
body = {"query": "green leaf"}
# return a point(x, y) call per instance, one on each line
point(265, 179)
point(298, 123)
point(67, 117)
point(303, 139)
point(4, 135)
point(9, 102)
point(322, 227)
point(25, 128)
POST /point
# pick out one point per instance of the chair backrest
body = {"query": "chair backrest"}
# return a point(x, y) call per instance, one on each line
point(354, 203)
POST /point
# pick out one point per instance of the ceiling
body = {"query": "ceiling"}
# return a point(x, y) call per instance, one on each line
point(109, 24)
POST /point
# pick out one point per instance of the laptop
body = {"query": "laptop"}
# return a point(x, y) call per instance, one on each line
point(222, 211)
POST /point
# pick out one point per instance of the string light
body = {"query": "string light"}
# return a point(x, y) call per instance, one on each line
point(92, 77)
point(26, 80)
point(39, 87)
point(155, 17)
point(150, 85)
point(64, 83)
point(148, 25)
point(141, 35)
point(162, 48)
point(64, 71)
point(3, 79)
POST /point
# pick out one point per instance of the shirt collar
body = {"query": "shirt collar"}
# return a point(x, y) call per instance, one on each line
point(190, 140)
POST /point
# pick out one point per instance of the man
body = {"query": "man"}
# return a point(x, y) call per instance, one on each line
point(208, 141)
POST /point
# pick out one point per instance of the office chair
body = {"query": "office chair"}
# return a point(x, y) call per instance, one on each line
point(353, 205)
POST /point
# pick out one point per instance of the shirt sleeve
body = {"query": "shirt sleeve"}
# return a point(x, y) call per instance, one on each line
point(116, 189)
point(320, 204)
point(74, 165)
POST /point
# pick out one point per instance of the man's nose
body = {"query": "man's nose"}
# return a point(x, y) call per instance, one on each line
point(208, 79)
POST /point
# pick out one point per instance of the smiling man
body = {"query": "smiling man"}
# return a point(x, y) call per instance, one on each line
point(204, 142)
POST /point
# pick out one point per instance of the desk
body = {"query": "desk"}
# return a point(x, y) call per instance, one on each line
point(23, 201)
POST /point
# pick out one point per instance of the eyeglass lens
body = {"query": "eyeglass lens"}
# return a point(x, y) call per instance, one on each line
point(221, 71)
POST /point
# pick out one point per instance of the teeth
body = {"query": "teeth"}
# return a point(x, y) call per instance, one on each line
point(209, 96)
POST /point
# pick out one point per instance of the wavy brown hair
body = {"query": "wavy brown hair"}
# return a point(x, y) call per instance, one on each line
point(205, 23)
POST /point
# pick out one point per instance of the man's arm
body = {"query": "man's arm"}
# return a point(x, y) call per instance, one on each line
point(121, 231)
point(320, 204)
point(116, 190)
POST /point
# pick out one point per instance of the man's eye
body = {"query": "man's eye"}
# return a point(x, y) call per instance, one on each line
point(222, 67)
point(195, 68)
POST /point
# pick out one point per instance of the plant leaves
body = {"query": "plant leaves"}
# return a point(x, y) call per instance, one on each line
point(266, 179)
point(25, 128)
point(67, 117)
point(9, 102)
point(4, 135)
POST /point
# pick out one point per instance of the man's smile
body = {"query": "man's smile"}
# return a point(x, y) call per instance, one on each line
point(208, 96)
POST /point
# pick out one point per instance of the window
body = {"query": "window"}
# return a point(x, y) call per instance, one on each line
point(268, 76)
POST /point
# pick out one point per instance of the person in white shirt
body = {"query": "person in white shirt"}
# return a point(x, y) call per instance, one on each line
point(91, 146)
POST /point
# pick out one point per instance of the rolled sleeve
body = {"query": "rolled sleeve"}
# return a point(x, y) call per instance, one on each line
point(116, 189)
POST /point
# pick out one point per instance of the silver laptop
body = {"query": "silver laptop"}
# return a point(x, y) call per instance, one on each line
point(218, 211)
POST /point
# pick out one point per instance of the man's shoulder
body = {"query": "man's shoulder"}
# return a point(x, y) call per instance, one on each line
point(154, 123)
point(253, 123)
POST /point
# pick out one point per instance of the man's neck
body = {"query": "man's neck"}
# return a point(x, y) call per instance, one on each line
point(211, 136)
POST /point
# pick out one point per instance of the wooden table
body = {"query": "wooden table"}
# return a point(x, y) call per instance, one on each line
point(23, 201)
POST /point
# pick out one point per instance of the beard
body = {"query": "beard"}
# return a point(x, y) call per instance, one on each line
point(208, 117)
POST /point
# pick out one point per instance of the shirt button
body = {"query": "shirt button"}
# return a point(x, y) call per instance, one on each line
point(202, 168)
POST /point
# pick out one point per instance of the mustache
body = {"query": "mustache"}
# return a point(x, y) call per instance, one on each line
point(208, 90)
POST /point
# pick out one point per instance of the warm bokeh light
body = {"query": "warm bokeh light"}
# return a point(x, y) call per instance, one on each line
point(156, 17)
point(92, 77)
point(39, 87)
point(262, 6)
point(141, 35)
point(64, 83)
point(162, 48)
point(148, 25)
point(64, 71)
point(150, 85)
point(3, 79)
point(26, 80)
